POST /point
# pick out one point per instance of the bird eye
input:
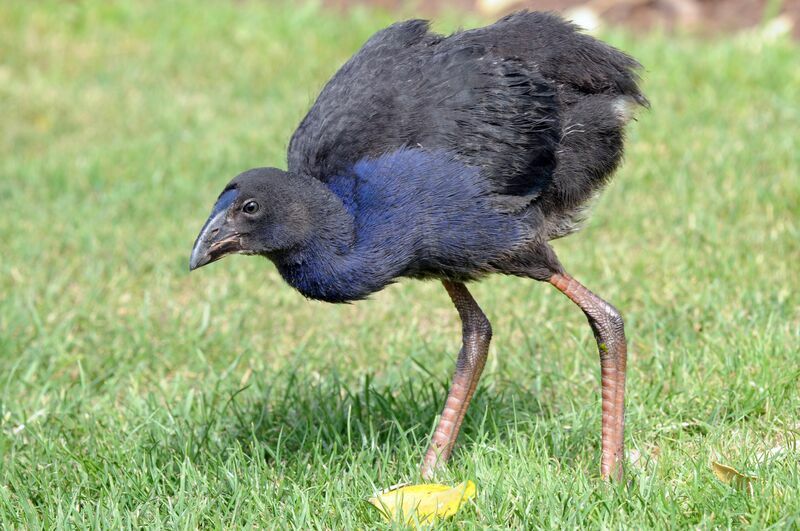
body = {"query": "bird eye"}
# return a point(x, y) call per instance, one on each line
point(251, 207)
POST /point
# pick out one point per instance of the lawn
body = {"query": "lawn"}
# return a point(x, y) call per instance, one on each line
point(133, 393)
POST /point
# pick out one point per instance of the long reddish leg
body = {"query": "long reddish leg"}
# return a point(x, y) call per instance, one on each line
point(609, 333)
point(476, 334)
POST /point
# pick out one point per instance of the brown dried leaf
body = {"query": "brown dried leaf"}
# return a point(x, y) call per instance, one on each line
point(731, 476)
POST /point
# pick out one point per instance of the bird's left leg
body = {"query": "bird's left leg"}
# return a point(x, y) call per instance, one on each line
point(476, 335)
point(609, 332)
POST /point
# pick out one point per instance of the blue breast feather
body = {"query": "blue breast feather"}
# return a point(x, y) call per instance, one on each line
point(417, 213)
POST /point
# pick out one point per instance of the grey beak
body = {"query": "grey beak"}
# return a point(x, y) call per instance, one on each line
point(215, 241)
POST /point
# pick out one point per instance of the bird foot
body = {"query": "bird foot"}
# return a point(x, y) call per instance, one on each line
point(434, 462)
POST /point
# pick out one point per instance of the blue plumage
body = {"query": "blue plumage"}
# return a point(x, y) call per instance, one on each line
point(416, 213)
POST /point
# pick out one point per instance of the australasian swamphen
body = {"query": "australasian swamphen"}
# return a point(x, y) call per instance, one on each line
point(453, 157)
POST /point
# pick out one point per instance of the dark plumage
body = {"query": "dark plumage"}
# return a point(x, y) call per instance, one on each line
point(446, 157)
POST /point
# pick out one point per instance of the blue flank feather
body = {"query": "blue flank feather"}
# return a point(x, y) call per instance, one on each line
point(416, 213)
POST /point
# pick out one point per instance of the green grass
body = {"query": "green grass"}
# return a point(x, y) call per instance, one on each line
point(134, 394)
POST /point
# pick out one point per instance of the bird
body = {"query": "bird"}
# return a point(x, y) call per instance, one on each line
point(449, 158)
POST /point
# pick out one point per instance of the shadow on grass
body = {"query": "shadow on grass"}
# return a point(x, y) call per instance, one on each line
point(301, 414)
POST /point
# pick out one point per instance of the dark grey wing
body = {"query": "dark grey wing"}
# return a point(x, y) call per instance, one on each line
point(408, 87)
point(577, 63)
point(598, 90)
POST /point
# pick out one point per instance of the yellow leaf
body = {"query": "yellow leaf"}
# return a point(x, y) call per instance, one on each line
point(731, 476)
point(424, 502)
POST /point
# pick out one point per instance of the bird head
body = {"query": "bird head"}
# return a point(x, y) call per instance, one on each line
point(261, 211)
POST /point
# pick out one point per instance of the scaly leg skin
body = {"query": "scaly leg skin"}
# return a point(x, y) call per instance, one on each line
point(476, 335)
point(609, 333)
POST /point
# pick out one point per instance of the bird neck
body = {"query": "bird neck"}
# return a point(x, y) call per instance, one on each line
point(321, 221)
point(332, 225)
point(338, 259)
point(322, 265)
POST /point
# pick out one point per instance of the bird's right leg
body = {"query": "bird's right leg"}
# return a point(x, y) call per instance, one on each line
point(476, 334)
point(609, 333)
